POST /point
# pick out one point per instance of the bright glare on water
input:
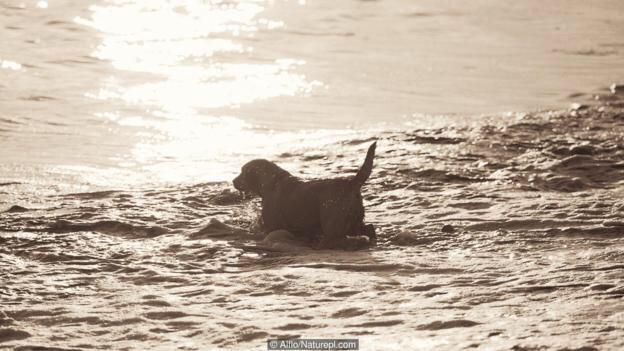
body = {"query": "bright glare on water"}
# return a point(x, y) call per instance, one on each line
point(498, 227)
point(119, 93)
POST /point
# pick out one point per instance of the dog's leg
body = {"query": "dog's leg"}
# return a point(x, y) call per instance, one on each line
point(331, 239)
point(334, 226)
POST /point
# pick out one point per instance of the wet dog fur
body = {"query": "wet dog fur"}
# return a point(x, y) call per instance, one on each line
point(328, 212)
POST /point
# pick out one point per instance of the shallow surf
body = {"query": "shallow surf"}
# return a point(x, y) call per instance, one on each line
point(116, 94)
point(118, 136)
point(493, 237)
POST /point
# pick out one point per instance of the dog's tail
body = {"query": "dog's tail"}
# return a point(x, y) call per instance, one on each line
point(366, 169)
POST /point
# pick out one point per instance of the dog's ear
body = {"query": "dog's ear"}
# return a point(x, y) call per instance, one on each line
point(266, 182)
point(267, 175)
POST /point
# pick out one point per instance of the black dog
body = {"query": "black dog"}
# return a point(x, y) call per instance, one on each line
point(326, 211)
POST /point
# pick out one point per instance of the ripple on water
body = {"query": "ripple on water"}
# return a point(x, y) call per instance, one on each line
point(459, 250)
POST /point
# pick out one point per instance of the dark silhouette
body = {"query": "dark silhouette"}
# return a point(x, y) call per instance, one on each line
point(326, 211)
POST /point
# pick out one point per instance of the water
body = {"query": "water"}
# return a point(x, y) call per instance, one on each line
point(121, 123)
point(125, 93)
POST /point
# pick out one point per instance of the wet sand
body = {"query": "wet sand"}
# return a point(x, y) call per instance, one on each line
point(505, 235)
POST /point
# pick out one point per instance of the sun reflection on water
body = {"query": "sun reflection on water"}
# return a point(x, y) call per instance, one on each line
point(195, 71)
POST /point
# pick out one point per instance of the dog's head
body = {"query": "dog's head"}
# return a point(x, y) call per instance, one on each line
point(258, 177)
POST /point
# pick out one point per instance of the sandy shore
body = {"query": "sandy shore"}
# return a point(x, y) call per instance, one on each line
point(502, 236)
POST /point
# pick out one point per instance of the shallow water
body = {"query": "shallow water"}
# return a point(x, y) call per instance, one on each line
point(126, 93)
point(487, 241)
point(501, 231)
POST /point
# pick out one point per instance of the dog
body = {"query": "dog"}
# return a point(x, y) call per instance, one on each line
point(327, 212)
